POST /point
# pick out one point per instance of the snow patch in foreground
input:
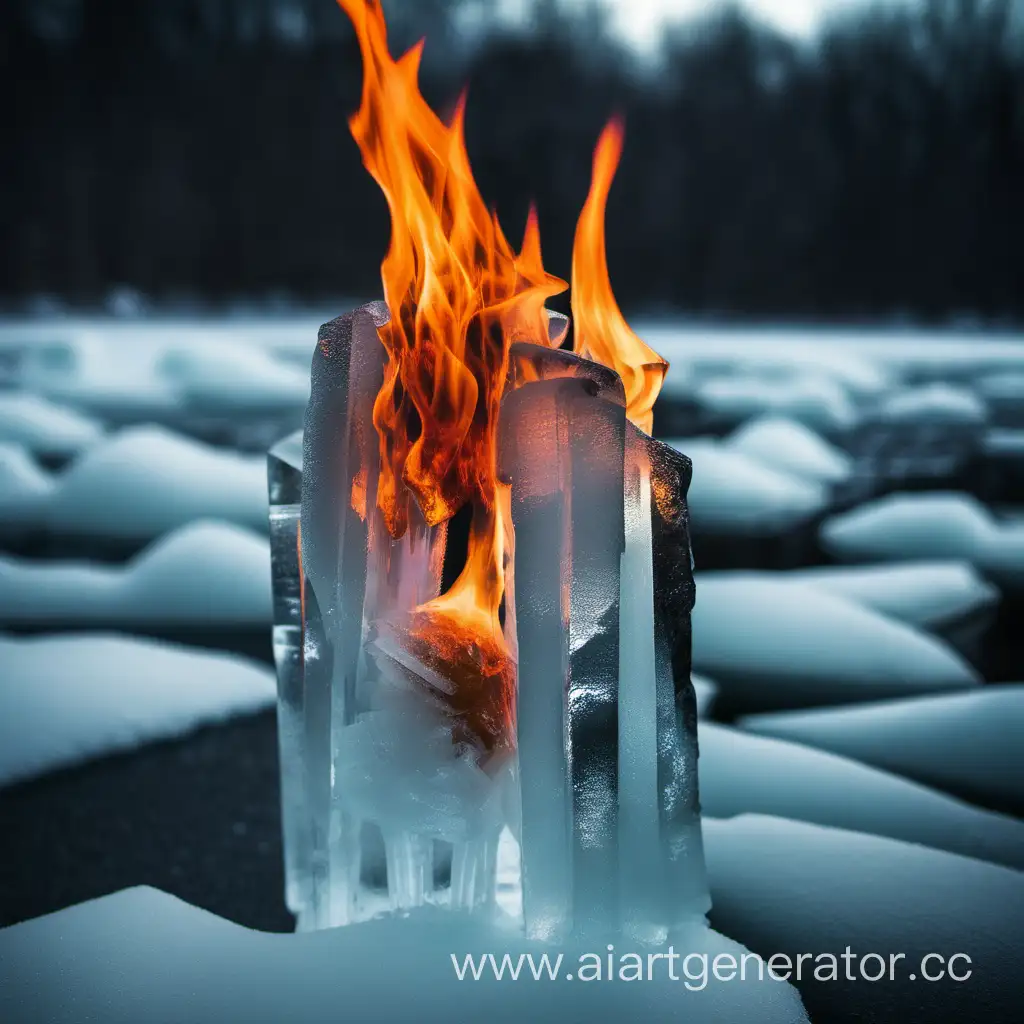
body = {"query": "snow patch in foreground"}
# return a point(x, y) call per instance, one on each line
point(914, 527)
point(43, 428)
point(966, 743)
point(773, 644)
point(793, 448)
point(206, 573)
point(786, 886)
point(145, 481)
point(730, 492)
point(66, 699)
point(142, 956)
point(743, 773)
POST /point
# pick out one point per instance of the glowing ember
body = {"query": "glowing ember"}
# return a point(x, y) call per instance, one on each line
point(602, 333)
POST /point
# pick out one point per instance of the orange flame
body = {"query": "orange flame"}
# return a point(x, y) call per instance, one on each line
point(458, 296)
point(601, 331)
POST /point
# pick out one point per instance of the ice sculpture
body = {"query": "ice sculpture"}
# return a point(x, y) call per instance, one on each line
point(407, 749)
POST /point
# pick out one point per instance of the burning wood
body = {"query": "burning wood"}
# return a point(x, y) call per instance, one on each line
point(544, 695)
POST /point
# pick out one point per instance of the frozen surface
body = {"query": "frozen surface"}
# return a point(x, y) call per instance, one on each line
point(743, 773)
point(44, 428)
point(929, 595)
point(563, 445)
point(786, 886)
point(140, 956)
point(66, 699)
point(775, 644)
point(937, 403)
point(206, 573)
point(817, 400)
point(734, 493)
point(915, 527)
point(966, 743)
point(25, 490)
point(790, 446)
point(145, 481)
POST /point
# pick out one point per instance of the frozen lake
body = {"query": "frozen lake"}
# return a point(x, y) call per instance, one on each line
point(679, 341)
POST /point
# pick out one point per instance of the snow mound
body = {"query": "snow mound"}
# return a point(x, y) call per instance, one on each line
point(25, 490)
point(793, 448)
point(66, 699)
point(742, 773)
point(755, 354)
point(733, 493)
point(942, 525)
point(1004, 395)
point(966, 743)
point(818, 401)
point(786, 886)
point(112, 382)
point(777, 644)
point(43, 428)
point(1004, 442)
point(937, 403)
point(929, 595)
point(229, 378)
point(141, 956)
point(908, 527)
point(706, 692)
point(145, 481)
point(205, 573)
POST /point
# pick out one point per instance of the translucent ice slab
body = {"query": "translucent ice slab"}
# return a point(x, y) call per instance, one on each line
point(562, 448)
point(284, 479)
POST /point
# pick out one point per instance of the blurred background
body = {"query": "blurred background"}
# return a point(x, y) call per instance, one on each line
point(817, 160)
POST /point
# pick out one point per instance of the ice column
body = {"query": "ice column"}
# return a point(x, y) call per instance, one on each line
point(284, 484)
point(562, 448)
point(575, 514)
point(339, 463)
point(663, 881)
point(401, 802)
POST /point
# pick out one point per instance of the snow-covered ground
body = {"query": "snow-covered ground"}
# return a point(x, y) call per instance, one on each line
point(859, 555)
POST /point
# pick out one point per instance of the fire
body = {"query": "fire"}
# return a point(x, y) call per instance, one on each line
point(601, 332)
point(459, 295)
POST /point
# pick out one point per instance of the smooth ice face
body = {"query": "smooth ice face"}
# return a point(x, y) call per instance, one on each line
point(658, 536)
point(562, 448)
point(604, 588)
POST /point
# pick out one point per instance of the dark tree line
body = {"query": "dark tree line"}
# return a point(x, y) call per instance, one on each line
point(199, 149)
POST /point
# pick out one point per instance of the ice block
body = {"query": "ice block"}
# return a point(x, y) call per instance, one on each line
point(562, 449)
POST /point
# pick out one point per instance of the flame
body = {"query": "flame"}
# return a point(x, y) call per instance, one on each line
point(458, 295)
point(601, 331)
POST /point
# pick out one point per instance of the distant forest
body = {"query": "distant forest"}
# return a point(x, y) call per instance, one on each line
point(198, 151)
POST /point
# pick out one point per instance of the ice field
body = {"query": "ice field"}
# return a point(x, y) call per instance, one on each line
point(857, 510)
